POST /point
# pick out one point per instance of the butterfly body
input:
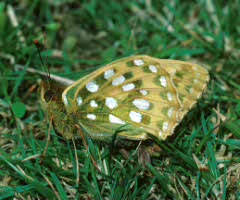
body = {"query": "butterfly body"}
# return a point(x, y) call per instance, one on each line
point(133, 97)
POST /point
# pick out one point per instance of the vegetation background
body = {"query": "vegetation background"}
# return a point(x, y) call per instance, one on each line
point(201, 161)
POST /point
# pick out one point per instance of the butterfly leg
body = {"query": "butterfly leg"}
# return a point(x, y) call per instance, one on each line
point(86, 146)
point(48, 141)
point(77, 165)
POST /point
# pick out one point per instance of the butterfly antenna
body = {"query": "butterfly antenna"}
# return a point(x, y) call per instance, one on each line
point(36, 42)
point(38, 46)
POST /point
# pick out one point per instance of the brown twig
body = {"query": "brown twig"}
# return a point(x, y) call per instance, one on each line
point(58, 79)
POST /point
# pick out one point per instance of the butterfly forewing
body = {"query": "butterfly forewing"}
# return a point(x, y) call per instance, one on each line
point(135, 96)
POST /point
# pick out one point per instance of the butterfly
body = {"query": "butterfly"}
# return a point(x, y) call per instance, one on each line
point(135, 97)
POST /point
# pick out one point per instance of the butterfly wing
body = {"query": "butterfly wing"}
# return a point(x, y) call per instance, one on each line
point(134, 96)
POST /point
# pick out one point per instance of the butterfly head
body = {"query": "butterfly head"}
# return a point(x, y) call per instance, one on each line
point(51, 92)
point(49, 95)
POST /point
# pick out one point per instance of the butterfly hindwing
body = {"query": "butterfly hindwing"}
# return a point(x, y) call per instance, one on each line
point(190, 81)
point(135, 96)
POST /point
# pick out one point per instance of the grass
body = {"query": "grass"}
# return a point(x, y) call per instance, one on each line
point(201, 161)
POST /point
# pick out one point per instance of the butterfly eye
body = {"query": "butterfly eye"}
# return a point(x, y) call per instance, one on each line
point(48, 96)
